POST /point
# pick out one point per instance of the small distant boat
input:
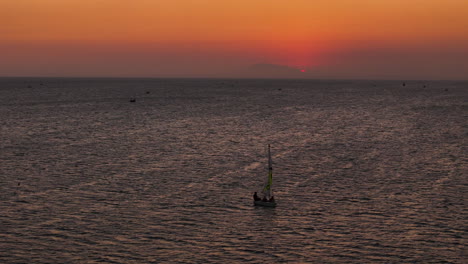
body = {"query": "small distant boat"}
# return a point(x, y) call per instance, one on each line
point(267, 191)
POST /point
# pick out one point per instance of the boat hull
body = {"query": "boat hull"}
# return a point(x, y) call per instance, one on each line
point(266, 204)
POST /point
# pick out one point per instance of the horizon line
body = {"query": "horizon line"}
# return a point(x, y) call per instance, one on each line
point(232, 78)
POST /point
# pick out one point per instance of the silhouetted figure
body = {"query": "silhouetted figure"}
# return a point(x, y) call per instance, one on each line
point(255, 196)
point(264, 199)
point(272, 199)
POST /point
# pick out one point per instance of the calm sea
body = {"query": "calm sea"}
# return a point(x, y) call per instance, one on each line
point(364, 171)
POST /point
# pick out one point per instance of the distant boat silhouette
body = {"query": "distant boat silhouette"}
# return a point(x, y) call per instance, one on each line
point(132, 100)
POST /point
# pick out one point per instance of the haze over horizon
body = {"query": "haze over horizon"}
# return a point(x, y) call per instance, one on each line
point(336, 39)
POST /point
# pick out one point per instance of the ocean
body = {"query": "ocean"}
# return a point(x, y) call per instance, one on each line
point(163, 171)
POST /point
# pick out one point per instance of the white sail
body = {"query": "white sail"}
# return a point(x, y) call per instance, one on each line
point(267, 189)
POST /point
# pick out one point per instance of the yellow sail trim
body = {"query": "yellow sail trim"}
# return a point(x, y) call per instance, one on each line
point(270, 181)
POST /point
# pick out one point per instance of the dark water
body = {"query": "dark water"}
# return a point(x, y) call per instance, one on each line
point(364, 172)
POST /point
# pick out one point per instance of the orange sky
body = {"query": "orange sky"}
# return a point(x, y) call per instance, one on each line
point(418, 39)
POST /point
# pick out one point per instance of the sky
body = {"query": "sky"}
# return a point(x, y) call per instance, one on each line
point(336, 39)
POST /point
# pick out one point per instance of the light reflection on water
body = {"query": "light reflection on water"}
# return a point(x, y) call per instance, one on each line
point(364, 171)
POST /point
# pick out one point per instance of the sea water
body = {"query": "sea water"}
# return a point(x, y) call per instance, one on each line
point(363, 171)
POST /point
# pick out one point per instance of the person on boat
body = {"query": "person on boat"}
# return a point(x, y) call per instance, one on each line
point(264, 199)
point(272, 199)
point(255, 196)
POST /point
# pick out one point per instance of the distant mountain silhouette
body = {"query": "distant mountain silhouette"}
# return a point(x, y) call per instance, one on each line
point(273, 71)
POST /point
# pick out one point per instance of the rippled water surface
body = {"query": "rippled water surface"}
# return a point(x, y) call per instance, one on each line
point(364, 171)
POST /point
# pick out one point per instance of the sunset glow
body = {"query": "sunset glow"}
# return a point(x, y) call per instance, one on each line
point(208, 38)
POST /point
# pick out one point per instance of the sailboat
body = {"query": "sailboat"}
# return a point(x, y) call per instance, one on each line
point(267, 191)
